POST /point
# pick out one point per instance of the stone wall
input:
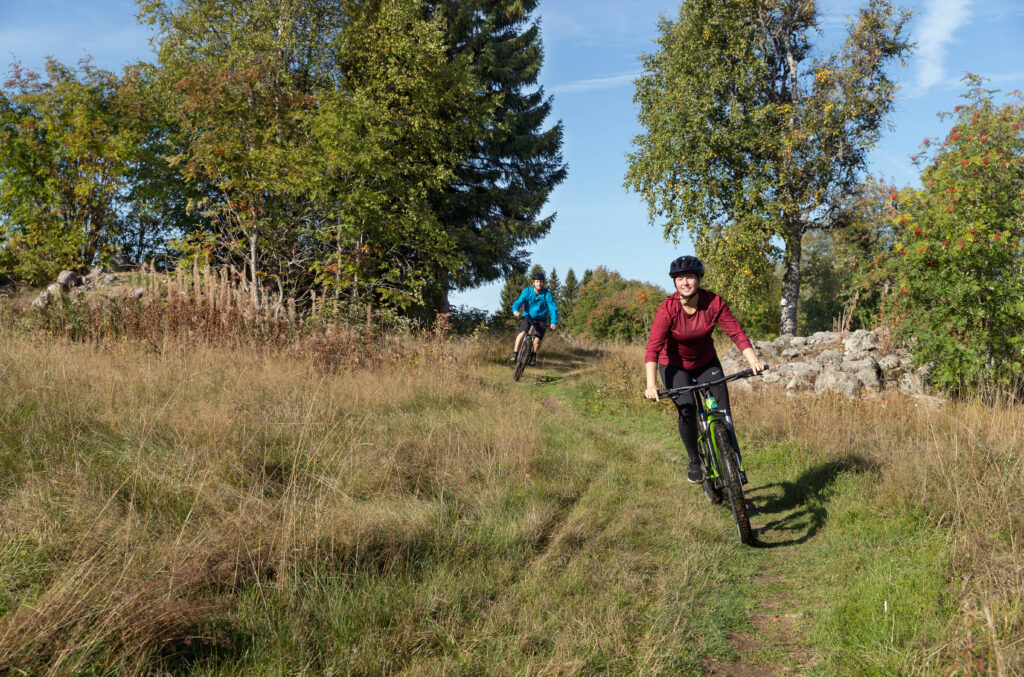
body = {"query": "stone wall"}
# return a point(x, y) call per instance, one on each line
point(860, 363)
point(70, 283)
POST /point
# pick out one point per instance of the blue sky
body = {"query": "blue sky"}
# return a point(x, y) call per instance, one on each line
point(591, 51)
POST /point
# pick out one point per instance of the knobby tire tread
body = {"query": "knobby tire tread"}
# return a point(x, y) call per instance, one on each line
point(733, 485)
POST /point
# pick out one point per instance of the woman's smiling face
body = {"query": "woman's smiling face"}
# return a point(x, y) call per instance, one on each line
point(687, 284)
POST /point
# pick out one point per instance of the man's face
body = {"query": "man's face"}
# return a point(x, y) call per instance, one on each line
point(538, 285)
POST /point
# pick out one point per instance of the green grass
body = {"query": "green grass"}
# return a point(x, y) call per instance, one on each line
point(217, 512)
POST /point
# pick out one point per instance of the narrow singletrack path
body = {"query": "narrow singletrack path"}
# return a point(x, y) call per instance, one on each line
point(763, 610)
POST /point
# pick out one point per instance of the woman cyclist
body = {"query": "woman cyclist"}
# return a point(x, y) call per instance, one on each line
point(681, 347)
point(537, 303)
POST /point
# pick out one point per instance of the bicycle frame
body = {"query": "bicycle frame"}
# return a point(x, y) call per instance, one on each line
point(709, 417)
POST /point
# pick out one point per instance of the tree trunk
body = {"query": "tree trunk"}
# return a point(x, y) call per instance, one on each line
point(252, 269)
point(443, 304)
point(790, 282)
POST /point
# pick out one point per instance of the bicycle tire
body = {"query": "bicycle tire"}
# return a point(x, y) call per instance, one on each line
point(524, 356)
point(713, 495)
point(728, 455)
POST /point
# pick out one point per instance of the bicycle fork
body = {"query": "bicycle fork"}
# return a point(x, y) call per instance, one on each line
point(706, 436)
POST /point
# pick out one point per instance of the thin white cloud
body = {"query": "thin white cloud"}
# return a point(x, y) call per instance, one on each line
point(934, 33)
point(591, 84)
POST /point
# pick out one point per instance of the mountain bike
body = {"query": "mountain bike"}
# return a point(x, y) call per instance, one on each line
point(526, 349)
point(720, 460)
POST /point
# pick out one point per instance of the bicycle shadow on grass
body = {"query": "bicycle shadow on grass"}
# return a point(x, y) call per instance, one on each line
point(800, 505)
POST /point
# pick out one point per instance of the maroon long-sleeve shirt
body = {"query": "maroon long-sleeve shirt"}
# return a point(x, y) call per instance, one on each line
point(683, 340)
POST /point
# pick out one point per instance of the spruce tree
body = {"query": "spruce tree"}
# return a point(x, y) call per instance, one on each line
point(494, 207)
point(514, 285)
point(554, 285)
point(568, 297)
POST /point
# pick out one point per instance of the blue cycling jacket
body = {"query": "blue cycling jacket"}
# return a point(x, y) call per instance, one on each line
point(538, 306)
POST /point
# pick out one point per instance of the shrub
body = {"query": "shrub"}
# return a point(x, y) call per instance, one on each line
point(960, 280)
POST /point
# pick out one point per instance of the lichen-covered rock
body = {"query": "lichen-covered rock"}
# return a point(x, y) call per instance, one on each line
point(838, 382)
point(801, 382)
point(772, 377)
point(68, 278)
point(869, 379)
point(44, 299)
point(912, 384)
point(857, 365)
point(860, 341)
point(830, 356)
point(822, 338)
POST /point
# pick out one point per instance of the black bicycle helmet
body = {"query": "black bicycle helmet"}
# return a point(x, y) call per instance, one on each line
point(538, 276)
point(686, 264)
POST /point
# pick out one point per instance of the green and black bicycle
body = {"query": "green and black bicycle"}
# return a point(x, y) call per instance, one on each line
point(721, 463)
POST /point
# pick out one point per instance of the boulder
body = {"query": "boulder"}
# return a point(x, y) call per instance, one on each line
point(838, 382)
point(912, 384)
point(43, 300)
point(822, 338)
point(830, 356)
point(801, 382)
point(889, 363)
point(793, 352)
point(791, 369)
point(854, 366)
point(68, 278)
point(861, 340)
point(772, 377)
point(869, 379)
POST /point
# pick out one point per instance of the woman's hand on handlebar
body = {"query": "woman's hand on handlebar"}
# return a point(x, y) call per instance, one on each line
point(652, 393)
point(756, 363)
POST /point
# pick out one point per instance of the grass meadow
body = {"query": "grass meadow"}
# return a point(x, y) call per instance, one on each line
point(186, 506)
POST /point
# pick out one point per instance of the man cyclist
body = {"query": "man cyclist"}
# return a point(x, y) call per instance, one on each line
point(537, 304)
point(681, 347)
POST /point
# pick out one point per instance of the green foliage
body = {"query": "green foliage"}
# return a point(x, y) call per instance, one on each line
point(554, 285)
point(749, 135)
point(321, 128)
point(514, 285)
point(740, 266)
point(568, 296)
point(504, 182)
point(607, 306)
point(64, 157)
point(848, 272)
point(960, 270)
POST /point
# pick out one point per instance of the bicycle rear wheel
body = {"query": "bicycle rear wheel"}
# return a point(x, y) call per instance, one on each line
point(525, 350)
point(729, 458)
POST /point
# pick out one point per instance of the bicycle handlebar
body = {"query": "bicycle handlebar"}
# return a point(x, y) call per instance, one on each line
point(746, 373)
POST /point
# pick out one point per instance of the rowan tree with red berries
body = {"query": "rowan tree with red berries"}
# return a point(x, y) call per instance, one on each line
point(960, 281)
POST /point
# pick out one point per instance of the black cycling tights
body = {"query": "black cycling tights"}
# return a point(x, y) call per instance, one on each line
point(677, 377)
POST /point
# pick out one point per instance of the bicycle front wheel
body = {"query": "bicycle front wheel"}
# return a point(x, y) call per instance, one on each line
point(524, 356)
point(730, 467)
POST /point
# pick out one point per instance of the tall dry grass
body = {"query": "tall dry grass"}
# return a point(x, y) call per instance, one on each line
point(145, 491)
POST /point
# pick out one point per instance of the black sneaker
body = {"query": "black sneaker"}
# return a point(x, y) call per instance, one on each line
point(743, 476)
point(695, 474)
point(533, 360)
point(514, 356)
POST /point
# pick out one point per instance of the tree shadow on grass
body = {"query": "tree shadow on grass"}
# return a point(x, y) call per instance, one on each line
point(800, 505)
